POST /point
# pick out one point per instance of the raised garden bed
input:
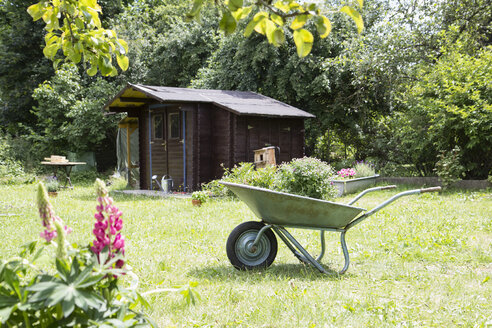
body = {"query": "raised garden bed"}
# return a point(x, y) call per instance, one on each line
point(352, 185)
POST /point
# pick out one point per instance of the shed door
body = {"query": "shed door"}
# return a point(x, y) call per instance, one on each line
point(158, 142)
point(174, 135)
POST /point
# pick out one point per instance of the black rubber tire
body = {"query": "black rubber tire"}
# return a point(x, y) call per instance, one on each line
point(244, 234)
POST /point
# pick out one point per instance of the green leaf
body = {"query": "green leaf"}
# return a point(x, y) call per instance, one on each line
point(12, 281)
point(304, 42)
point(123, 62)
point(28, 248)
point(74, 56)
point(79, 23)
point(41, 286)
point(51, 50)
point(143, 301)
point(86, 299)
point(269, 30)
point(68, 307)
point(63, 269)
point(254, 22)
point(235, 4)
point(5, 313)
point(105, 66)
point(36, 11)
point(227, 23)
point(278, 37)
point(92, 71)
point(277, 19)
point(58, 294)
point(7, 300)
point(299, 22)
point(81, 278)
point(90, 281)
point(355, 15)
point(242, 13)
point(195, 10)
point(323, 25)
point(95, 17)
point(282, 6)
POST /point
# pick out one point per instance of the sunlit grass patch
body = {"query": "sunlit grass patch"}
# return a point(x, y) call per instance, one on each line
point(423, 261)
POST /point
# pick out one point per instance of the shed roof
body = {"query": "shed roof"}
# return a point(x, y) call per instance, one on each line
point(238, 102)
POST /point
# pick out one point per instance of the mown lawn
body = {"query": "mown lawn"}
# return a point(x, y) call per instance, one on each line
point(423, 261)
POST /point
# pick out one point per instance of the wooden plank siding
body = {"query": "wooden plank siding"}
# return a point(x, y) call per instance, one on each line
point(214, 136)
point(205, 144)
point(190, 113)
point(221, 148)
point(253, 133)
point(143, 139)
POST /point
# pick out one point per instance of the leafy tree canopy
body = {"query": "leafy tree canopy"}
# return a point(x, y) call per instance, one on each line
point(74, 26)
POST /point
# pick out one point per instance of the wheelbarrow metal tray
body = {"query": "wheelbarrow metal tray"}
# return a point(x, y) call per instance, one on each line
point(284, 209)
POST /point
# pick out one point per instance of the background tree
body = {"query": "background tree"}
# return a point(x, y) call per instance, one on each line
point(69, 115)
point(22, 64)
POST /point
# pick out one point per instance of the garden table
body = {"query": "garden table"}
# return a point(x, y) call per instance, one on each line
point(67, 166)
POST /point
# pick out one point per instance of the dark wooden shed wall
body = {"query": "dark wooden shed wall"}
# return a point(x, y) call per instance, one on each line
point(257, 132)
point(143, 139)
point(215, 136)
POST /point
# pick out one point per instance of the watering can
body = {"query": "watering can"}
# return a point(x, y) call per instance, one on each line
point(166, 184)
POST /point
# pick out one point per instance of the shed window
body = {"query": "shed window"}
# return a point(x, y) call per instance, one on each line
point(174, 132)
point(157, 127)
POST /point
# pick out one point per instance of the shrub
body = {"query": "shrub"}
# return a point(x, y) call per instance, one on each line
point(244, 173)
point(449, 168)
point(52, 185)
point(363, 169)
point(306, 176)
point(11, 170)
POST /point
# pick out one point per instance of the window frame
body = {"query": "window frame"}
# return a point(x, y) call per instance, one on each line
point(162, 132)
point(170, 126)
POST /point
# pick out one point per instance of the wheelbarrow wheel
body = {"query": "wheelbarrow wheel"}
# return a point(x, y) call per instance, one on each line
point(241, 252)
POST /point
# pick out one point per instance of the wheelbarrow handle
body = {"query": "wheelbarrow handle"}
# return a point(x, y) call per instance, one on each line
point(359, 196)
point(388, 187)
point(432, 189)
point(387, 202)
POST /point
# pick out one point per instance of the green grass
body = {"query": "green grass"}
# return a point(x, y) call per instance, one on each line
point(424, 261)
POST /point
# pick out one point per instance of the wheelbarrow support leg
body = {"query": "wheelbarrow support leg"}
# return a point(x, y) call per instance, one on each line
point(345, 253)
point(323, 246)
point(290, 246)
point(301, 249)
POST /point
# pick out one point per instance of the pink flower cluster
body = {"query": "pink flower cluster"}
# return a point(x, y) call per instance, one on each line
point(107, 227)
point(48, 216)
point(346, 173)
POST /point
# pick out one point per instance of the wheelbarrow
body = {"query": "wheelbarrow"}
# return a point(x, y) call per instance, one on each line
point(253, 245)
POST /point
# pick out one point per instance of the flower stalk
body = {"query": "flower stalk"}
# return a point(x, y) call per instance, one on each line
point(48, 217)
point(107, 226)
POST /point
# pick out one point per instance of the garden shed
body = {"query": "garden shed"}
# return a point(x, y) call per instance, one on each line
point(188, 134)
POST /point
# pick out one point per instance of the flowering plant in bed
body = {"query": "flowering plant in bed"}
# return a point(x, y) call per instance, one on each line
point(361, 169)
point(359, 177)
point(82, 288)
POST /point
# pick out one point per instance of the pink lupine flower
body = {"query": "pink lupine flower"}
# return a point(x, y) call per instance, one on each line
point(48, 216)
point(107, 226)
